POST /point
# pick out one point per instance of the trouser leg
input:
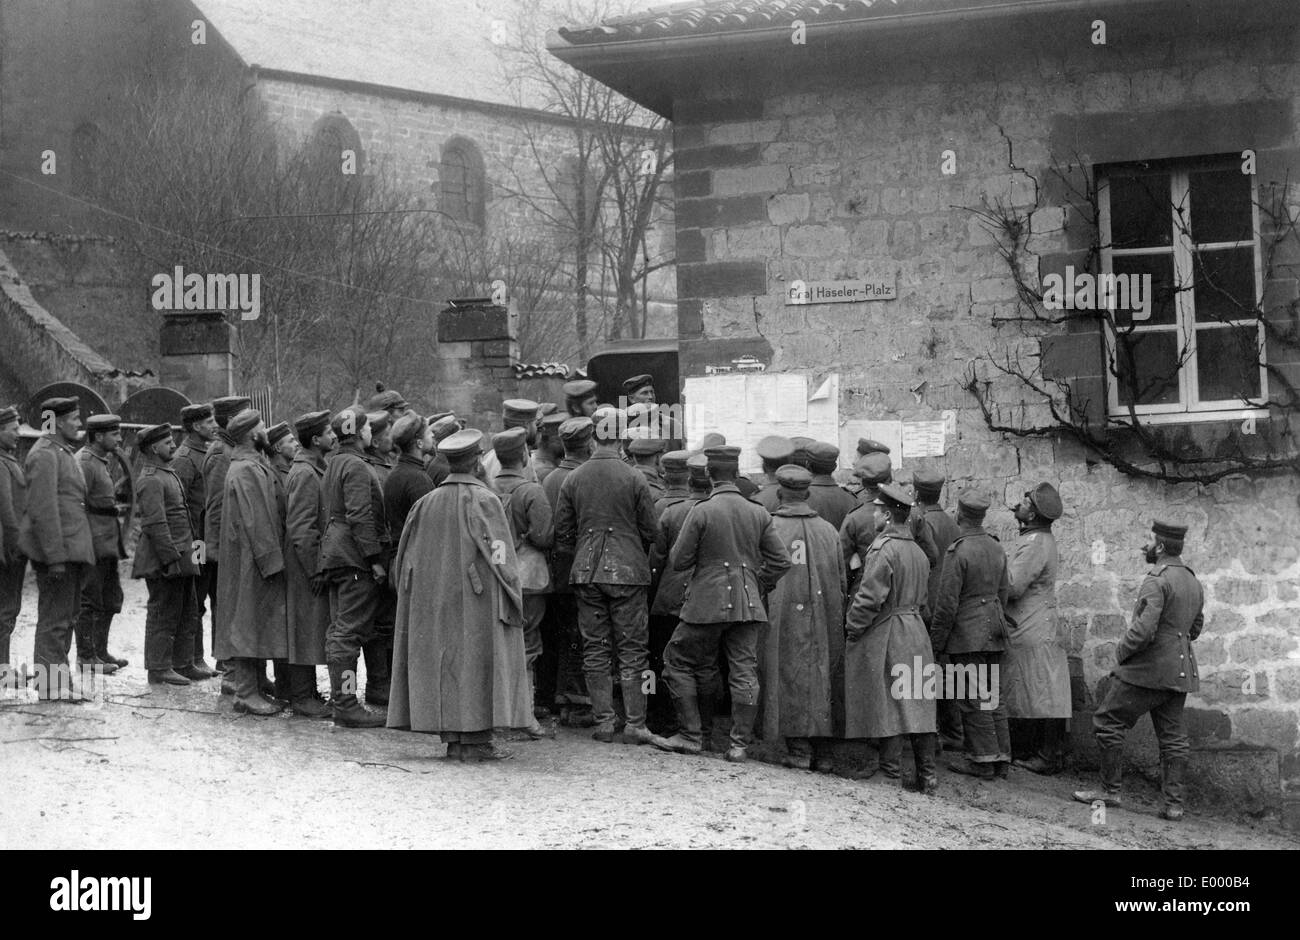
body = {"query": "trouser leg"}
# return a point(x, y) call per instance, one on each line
point(740, 640)
point(56, 611)
point(891, 756)
point(354, 601)
point(162, 621)
point(596, 623)
point(687, 658)
point(948, 713)
point(987, 737)
point(534, 612)
point(924, 747)
point(1171, 736)
point(570, 681)
point(186, 624)
point(111, 600)
point(11, 602)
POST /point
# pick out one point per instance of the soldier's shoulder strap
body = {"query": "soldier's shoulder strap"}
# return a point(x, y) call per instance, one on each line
point(1157, 571)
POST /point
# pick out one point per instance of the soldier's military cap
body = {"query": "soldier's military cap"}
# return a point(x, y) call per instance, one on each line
point(637, 432)
point(712, 439)
point(349, 421)
point(277, 431)
point(464, 443)
point(579, 389)
point(547, 408)
point(893, 495)
point(60, 406)
point(675, 461)
point(973, 504)
point(800, 452)
point(445, 427)
point(929, 481)
point(873, 469)
point(510, 442)
point(636, 383)
point(793, 477)
point(774, 447)
point(243, 422)
point(8, 415)
point(519, 409)
point(553, 421)
point(151, 436)
point(438, 416)
point(1046, 501)
point(386, 399)
point(379, 421)
point(823, 455)
point(722, 455)
point(698, 465)
point(644, 446)
point(576, 429)
point(229, 406)
point(609, 423)
point(311, 424)
point(408, 428)
point(103, 423)
point(192, 414)
point(867, 446)
point(1168, 530)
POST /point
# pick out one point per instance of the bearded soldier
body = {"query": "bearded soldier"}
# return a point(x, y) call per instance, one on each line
point(1155, 669)
point(801, 647)
point(459, 667)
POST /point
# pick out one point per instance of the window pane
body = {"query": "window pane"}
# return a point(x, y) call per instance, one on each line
point(1227, 363)
point(1140, 214)
point(1220, 206)
point(1148, 367)
point(1225, 285)
point(1156, 293)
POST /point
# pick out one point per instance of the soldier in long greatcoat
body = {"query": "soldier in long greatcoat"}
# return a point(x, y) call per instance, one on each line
point(307, 597)
point(1037, 673)
point(13, 506)
point(458, 666)
point(801, 647)
point(250, 567)
point(942, 530)
point(890, 684)
point(215, 466)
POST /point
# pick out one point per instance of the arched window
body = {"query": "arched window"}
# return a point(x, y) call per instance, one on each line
point(85, 154)
point(335, 160)
point(462, 183)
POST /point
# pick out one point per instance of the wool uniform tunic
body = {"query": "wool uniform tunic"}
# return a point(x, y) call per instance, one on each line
point(890, 605)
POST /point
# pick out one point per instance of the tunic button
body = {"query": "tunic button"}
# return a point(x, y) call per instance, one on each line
point(1182, 675)
point(609, 529)
point(798, 606)
point(729, 606)
point(1180, 656)
point(726, 564)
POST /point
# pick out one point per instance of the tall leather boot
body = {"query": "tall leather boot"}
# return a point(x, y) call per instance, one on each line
point(378, 655)
point(600, 686)
point(347, 711)
point(1172, 771)
point(1112, 778)
point(891, 756)
point(248, 696)
point(303, 697)
point(536, 730)
point(84, 631)
point(102, 624)
point(742, 729)
point(283, 687)
point(635, 731)
point(923, 753)
point(687, 738)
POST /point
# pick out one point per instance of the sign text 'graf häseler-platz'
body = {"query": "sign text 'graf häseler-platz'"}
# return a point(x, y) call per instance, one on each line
point(840, 292)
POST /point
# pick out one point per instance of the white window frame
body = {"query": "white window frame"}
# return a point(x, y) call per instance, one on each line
point(1189, 408)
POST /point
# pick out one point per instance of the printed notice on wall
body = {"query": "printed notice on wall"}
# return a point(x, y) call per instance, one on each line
point(923, 439)
point(889, 433)
point(747, 408)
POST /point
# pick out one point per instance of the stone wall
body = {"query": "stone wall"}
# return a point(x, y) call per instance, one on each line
point(835, 173)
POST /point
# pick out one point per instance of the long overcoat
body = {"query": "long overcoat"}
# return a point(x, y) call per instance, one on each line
point(801, 647)
point(251, 593)
point(1035, 671)
point(305, 521)
point(458, 646)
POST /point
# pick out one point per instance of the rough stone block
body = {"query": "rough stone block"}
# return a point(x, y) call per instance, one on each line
point(1259, 647)
point(722, 279)
point(693, 185)
point(1238, 592)
point(785, 209)
point(690, 246)
point(720, 213)
point(743, 181)
point(473, 323)
point(815, 241)
point(712, 158)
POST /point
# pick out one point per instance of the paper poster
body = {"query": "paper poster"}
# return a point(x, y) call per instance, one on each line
point(923, 439)
point(889, 433)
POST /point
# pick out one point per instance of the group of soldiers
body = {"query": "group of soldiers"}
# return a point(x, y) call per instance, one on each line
point(450, 560)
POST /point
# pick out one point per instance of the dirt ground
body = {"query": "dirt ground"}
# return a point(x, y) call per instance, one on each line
point(176, 768)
